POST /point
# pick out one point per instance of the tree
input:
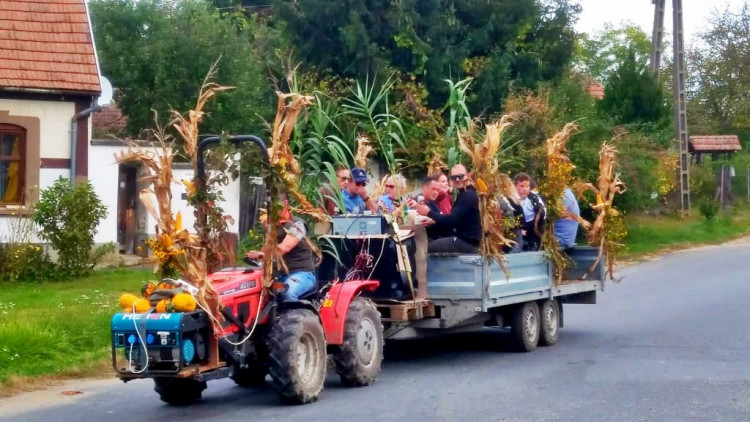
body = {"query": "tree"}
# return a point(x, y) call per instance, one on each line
point(720, 75)
point(497, 42)
point(598, 55)
point(633, 95)
point(156, 54)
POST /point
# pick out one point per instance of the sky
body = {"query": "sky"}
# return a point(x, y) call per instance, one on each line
point(696, 14)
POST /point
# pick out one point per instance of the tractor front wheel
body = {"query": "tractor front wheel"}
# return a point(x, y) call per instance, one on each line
point(179, 391)
point(297, 356)
point(358, 361)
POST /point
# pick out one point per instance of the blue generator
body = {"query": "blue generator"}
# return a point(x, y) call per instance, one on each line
point(158, 343)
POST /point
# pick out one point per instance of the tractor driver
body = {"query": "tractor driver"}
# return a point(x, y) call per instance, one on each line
point(298, 255)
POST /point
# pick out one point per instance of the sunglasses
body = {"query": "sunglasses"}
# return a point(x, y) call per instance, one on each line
point(457, 177)
point(361, 183)
point(390, 186)
point(346, 179)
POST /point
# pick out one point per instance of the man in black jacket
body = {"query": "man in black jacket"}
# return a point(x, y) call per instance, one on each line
point(463, 223)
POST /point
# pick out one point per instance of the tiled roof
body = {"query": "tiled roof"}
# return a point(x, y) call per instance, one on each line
point(47, 44)
point(109, 120)
point(715, 143)
point(596, 90)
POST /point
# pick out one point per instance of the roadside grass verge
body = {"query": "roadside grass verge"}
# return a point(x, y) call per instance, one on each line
point(649, 234)
point(59, 329)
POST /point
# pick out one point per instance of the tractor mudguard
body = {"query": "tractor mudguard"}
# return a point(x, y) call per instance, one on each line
point(336, 305)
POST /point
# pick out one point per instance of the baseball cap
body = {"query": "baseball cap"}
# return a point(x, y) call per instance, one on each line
point(359, 175)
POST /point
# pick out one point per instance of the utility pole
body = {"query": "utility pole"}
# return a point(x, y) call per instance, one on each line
point(680, 107)
point(656, 37)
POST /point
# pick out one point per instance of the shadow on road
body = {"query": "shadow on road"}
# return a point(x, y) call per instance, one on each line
point(487, 340)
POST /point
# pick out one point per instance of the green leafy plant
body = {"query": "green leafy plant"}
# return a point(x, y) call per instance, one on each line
point(68, 218)
point(708, 209)
point(252, 241)
point(370, 107)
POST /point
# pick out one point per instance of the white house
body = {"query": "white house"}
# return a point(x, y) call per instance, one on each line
point(49, 82)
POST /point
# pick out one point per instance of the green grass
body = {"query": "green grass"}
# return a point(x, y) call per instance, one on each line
point(647, 234)
point(60, 328)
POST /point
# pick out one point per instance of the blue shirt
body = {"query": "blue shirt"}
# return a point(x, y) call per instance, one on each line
point(565, 228)
point(387, 202)
point(354, 204)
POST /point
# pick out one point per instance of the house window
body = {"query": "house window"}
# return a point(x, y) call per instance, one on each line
point(12, 153)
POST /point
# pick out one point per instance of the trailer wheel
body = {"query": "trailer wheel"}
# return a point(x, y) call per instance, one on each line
point(179, 391)
point(525, 327)
point(550, 321)
point(297, 356)
point(358, 361)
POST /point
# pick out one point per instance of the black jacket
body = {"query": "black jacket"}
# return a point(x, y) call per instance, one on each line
point(464, 221)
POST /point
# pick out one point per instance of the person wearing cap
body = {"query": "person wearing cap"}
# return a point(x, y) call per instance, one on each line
point(355, 194)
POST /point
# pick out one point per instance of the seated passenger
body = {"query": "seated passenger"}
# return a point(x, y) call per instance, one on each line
point(566, 228)
point(391, 199)
point(463, 224)
point(430, 192)
point(534, 213)
point(445, 197)
point(298, 256)
point(355, 194)
point(343, 177)
point(510, 205)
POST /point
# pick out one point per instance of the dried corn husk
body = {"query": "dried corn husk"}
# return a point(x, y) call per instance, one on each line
point(557, 177)
point(284, 177)
point(607, 232)
point(486, 179)
point(364, 149)
point(180, 250)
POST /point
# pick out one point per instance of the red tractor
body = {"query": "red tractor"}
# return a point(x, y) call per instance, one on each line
point(260, 335)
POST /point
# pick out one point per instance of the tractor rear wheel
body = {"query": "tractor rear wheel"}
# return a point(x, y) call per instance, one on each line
point(179, 391)
point(358, 361)
point(297, 356)
point(525, 328)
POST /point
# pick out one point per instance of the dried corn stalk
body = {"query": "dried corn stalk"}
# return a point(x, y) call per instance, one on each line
point(364, 149)
point(608, 230)
point(436, 165)
point(557, 177)
point(175, 250)
point(487, 181)
point(284, 177)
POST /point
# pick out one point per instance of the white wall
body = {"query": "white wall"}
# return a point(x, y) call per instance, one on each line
point(54, 123)
point(103, 175)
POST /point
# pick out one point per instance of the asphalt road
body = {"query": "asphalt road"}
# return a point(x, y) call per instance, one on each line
point(671, 342)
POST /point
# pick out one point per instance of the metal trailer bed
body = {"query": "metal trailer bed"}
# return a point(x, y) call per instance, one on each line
point(466, 292)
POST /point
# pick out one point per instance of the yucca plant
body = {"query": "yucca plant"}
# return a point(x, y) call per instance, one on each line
point(370, 109)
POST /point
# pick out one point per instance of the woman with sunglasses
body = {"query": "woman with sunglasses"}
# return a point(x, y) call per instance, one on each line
point(391, 200)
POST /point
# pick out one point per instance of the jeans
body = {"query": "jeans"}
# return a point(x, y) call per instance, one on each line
point(298, 284)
